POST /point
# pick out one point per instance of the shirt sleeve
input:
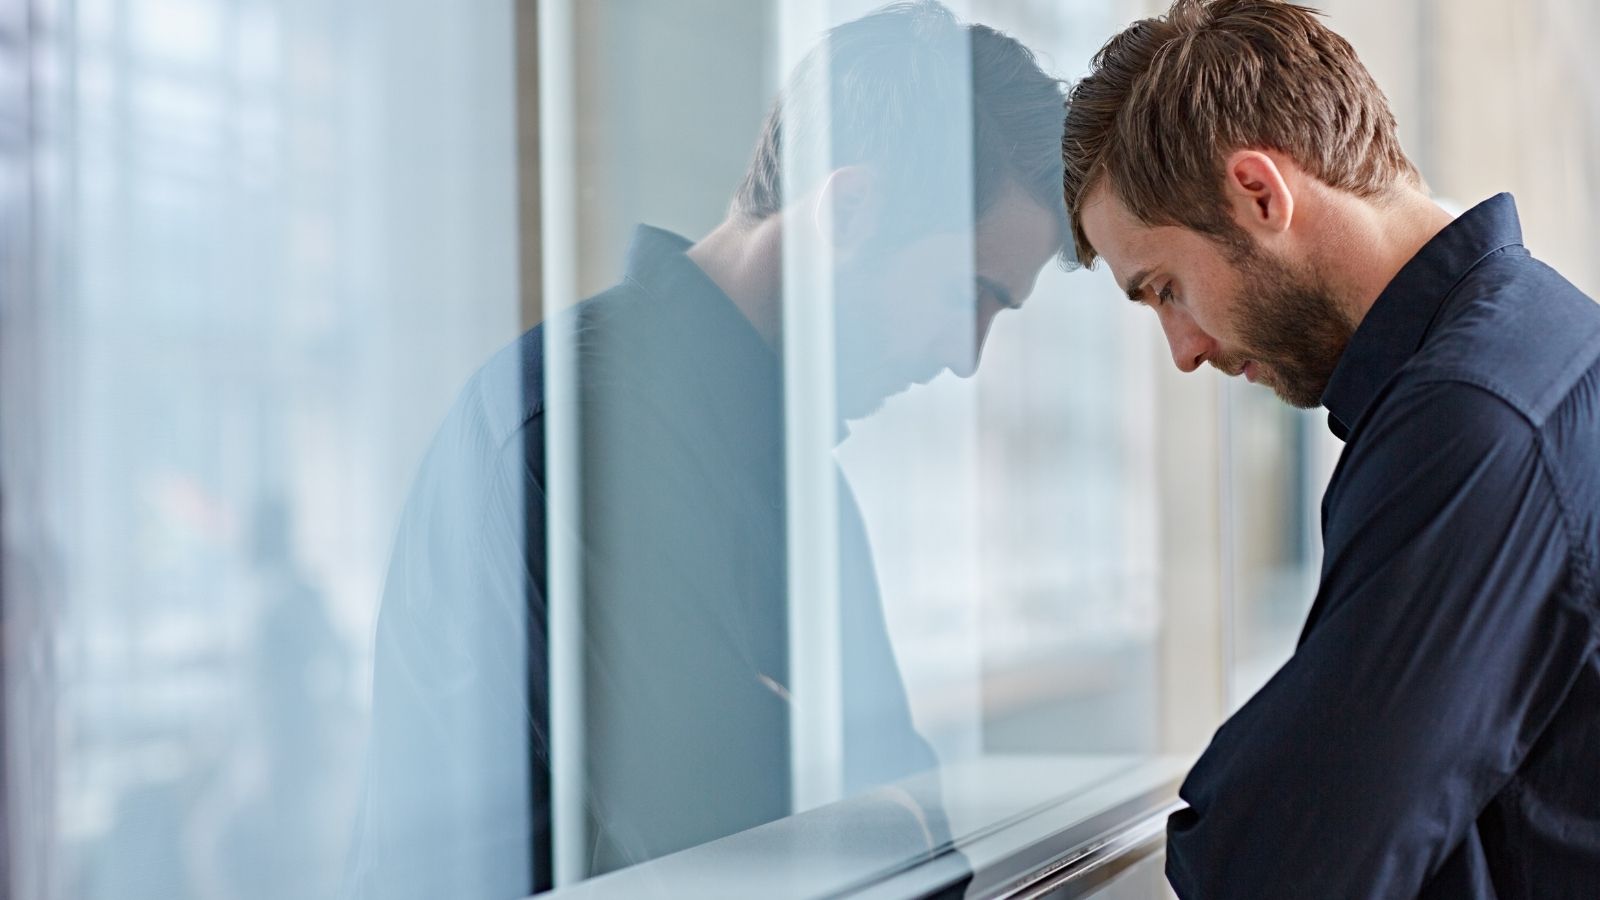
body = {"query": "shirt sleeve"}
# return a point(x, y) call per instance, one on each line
point(457, 751)
point(1444, 636)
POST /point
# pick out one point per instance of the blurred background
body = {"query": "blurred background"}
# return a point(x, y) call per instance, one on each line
point(250, 250)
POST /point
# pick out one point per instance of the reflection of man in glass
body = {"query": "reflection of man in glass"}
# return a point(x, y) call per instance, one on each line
point(940, 206)
point(1437, 731)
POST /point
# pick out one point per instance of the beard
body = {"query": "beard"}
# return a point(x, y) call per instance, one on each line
point(1292, 328)
point(870, 365)
point(858, 341)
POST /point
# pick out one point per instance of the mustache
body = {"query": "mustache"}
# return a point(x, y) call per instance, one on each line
point(1231, 366)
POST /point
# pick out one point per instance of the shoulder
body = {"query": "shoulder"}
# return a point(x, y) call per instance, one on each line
point(507, 395)
point(1429, 438)
point(1515, 329)
point(495, 427)
point(1438, 464)
point(1429, 416)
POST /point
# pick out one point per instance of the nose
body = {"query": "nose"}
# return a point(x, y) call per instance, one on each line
point(1190, 345)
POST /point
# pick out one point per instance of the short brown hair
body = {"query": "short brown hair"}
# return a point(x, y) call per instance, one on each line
point(1169, 98)
point(898, 78)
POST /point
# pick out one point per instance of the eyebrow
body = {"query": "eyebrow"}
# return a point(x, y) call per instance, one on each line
point(999, 292)
point(1135, 285)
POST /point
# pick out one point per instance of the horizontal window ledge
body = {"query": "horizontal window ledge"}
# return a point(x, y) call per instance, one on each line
point(1022, 826)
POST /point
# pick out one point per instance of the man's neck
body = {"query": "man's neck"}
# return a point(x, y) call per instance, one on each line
point(744, 259)
point(1375, 240)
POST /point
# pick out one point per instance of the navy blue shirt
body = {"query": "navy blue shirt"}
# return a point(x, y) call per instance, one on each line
point(1437, 731)
point(678, 413)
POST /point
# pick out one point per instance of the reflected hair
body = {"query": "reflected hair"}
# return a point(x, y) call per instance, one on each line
point(1169, 98)
point(926, 102)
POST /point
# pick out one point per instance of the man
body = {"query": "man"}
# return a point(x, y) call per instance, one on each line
point(936, 212)
point(1437, 732)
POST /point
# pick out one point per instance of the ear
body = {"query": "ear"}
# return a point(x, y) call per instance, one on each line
point(848, 210)
point(1258, 193)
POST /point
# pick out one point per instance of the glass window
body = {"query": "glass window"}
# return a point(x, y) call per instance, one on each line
point(608, 447)
point(482, 450)
point(271, 241)
point(867, 576)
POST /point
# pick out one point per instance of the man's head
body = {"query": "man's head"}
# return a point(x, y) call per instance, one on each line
point(1211, 157)
point(942, 186)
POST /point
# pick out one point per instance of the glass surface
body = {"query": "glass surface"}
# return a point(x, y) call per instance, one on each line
point(271, 242)
point(1279, 459)
point(833, 551)
point(325, 576)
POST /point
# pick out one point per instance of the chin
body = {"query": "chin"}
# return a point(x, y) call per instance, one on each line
point(1299, 402)
point(858, 405)
point(1299, 399)
point(855, 412)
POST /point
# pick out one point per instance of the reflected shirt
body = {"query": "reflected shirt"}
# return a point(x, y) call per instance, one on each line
point(1437, 731)
point(678, 519)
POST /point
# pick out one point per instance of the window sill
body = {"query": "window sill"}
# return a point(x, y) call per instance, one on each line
point(1023, 826)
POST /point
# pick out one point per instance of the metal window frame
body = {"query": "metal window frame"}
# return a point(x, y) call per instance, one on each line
point(26, 701)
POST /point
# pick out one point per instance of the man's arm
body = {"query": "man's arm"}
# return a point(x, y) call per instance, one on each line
point(459, 702)
point(1444, 638)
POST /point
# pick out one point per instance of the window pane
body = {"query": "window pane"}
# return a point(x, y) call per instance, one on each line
point(272, 239)
point(468, 452)
point(446, 455)
point(817, 549)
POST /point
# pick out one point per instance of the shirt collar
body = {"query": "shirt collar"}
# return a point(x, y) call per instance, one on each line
point(724, 368)
point(658, 262)
point(1402, 316)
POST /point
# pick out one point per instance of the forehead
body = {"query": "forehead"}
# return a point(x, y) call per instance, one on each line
point(1127, 244)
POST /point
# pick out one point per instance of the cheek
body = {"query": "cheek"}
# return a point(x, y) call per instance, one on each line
point(1202, 313)
point(1216, 314)
point(884, 319)
point(909, 306)
point(919, 304)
